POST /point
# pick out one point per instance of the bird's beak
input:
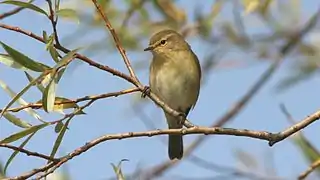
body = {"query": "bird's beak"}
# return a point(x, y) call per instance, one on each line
point(148, 48)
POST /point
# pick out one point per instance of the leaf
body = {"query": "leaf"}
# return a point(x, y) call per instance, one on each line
point(16, 97)
point(23, 133)
point(16, 121)
point(30, 79)
point(68, 14)
point(117, 169)
point(27, 5)
point(54, 53)
point(20, 101)
point(59, 139)
point(24, 60)
point(66, 59)
point(8, 61)
point(16, 152)
point(49, 93)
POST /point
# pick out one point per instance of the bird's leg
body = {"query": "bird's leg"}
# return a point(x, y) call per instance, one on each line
point(182, 118)
point(146, 91)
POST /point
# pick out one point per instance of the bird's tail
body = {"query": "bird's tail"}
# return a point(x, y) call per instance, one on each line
point(175, 149)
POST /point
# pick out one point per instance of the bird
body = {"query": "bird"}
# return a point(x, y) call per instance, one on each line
point(175, 76)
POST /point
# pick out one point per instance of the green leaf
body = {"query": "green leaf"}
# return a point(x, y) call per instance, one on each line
point(16, 152)
point(8, 61)
point(27, 5)
point(16, 121)
point(23, 133)
point(68, 14)
point(30, 79)
point(117, 169)
point(59, 139)
point(24, 60)
point(16, 97)
point(54, 53)
point(20, 101)
point(66, 59)
point(49, 93)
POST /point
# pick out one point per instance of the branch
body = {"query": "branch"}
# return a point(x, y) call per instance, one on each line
point(53, 21)
point(29, 153)
point(117, 41)
point(157, 170)
point(262, 135)
point(85, 98)
point(108, 69)
point(309, 170)
point(10, 13)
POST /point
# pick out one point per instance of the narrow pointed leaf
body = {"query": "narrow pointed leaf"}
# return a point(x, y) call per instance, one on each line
point(16, 121)
point(24, 60)
point(16, 152)
point(15, 98)
point(8, 61)
point(59, 138)
point(27, 5)
point(30, 79)
point(49, 94)
point(23, 133)
point(20, 101)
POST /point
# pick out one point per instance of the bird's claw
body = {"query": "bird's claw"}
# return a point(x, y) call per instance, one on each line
point(146, 91)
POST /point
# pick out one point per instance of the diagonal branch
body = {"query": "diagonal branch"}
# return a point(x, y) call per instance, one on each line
point(29, 153)
point(117, 41)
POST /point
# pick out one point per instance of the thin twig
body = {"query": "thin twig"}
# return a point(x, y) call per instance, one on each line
point(313, 166)
point(54, 21)
point(262, 135)
point(10, 13)
point(29, 153)
point(85, 98)
point(117, 41)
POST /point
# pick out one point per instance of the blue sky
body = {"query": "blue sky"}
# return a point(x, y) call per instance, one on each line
point(116, 115)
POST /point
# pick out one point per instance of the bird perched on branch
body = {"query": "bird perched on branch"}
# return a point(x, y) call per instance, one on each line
point(175, 76)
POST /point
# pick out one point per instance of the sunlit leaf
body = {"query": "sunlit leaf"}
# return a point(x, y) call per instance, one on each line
point(16, 152)
point(23, 133)
point(20, 100)
point(16, 121)
point(27, 5)
point(8, 61)
point(16, 97)
point(49, 93)
point(24, 60)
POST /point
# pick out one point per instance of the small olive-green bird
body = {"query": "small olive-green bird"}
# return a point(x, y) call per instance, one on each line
point(175, 76)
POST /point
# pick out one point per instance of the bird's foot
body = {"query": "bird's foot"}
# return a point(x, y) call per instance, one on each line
point(146, 91)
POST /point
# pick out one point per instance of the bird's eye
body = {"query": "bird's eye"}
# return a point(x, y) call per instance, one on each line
point(163, 42)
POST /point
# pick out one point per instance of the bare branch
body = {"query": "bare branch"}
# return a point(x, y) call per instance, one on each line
point(29, 153)
point(262, 135)
point(117, 42)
